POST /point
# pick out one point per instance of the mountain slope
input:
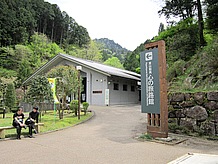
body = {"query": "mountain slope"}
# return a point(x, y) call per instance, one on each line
point(111, 49)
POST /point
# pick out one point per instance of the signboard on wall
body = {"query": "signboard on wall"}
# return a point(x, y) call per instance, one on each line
point(150, 86)
point(107, 97)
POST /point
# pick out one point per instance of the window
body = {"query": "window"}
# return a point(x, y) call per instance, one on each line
point(116, 86)
point(124, 87)
point(132, 88)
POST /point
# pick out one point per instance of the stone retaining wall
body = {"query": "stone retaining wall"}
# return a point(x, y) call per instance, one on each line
point(198, 112)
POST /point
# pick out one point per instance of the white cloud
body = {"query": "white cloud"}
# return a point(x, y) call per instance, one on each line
point(127, 22)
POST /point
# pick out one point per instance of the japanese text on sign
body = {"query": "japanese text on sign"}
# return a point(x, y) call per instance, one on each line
point(150, 85)
point(149, 79)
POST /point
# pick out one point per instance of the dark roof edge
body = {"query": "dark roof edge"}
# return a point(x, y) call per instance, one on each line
point(39, 70)
point(60, 55)
point(82, 64)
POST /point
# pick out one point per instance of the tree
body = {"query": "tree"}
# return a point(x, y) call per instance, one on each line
point(185, 9)
point(23, 56)
point(24, 71)
point(67, 83)
point(161, 28)
point(39, 90)
point(3, 87)
point(19, 19)
point(88, 52)
point(182, 40)
point(22, 52)
point(212, 12)
point(17, 22)
point(114, 61)
point(200, 24)
point(10, 96)
point(8, 58)
point(180, 9)
point(43, 49)
point(132, 59)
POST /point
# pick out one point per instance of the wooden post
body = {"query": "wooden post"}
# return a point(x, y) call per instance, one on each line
point(158, 123)
point(38, 126)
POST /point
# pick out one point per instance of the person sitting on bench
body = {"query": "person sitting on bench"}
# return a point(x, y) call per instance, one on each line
point(18, 118)
point(31, 120)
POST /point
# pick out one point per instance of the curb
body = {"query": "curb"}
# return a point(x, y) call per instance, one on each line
point(175, 139)
point(93, 114)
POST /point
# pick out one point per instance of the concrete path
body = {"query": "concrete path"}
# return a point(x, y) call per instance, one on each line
point(108, 138)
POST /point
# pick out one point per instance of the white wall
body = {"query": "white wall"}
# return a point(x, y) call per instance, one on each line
point(97, 83)
point(120, 96)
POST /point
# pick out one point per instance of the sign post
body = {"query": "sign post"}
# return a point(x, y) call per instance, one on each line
point(154, 88)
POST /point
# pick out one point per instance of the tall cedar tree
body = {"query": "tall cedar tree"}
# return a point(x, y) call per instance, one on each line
point(185, 9)
point(19, 19)
point(10, 96)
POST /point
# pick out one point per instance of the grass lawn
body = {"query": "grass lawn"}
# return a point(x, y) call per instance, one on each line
point(50, 119)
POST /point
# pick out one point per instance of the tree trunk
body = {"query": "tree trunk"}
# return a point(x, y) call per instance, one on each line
point(61, 38)
point(200, 24)
point(52, 32)
point(63, 106)
point(59, 111)
point(40, 111)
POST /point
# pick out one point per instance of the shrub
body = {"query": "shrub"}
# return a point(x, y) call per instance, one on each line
point(85, 106)
point(177, 69)
point(10, 96)
point(146, 136)
point(74, 106)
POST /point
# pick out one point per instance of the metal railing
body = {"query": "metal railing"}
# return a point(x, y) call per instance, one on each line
point(42, 106)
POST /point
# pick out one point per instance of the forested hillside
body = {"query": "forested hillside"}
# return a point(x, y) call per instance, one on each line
point(191, 45)
point(19, 19)
point(34, 31)
point(111, 49)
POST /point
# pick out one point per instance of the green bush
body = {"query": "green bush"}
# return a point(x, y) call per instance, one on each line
point(181, 40)
point(174, 128)
point(211, 55)
point(85, 106)
point(74, 106)
point(146, 136)
point(10, 96)
point(177, 69)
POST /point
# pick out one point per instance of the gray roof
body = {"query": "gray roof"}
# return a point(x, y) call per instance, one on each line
point(99, 67)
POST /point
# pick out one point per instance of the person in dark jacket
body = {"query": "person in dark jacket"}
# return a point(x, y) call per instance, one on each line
point(18, 121)
point(31, 120)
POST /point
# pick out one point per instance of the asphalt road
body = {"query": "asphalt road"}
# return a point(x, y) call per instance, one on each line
point(108, 138)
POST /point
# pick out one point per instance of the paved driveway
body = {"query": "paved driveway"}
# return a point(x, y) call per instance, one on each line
point(108, 138)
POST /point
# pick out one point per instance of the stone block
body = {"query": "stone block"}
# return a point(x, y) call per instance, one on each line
point(178, 97)
point(212, 96)
point(186, 104)
point(199, 98)
point(198, 113)
point(188, 123)
point(208, 128)
point(211, 105)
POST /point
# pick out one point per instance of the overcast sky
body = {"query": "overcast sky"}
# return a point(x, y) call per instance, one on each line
point(127, 22)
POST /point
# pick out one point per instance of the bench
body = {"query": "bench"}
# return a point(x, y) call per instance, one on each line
point(2, 111)
point(2, 129)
